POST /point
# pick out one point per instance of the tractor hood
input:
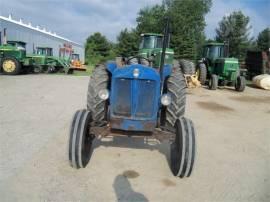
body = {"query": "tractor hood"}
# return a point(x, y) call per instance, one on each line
point(134, 96)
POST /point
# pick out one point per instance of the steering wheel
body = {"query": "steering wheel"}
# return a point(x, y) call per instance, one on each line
point(139, 57)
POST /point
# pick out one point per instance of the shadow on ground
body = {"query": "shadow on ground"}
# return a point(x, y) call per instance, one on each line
point(124, 191)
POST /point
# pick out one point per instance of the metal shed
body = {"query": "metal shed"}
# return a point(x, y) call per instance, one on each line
point(36, 37)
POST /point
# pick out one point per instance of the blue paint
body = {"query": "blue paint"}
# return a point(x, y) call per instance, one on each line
point(135, 102)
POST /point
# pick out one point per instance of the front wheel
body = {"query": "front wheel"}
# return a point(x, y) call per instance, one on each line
point(240, 84)
point(202, 73)
point(10, 66)
point(80, 140)
point(183, 148)
point(213, 82)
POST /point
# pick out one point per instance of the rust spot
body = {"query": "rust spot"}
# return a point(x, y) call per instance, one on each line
point(251, 99)
point(213, 106)
point(168, 183)
point(130, 174)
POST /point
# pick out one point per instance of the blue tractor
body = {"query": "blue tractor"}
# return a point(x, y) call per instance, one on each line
point(136, 99)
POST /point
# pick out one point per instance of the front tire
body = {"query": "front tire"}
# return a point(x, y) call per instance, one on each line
point(183, 148)
point(10, 66)
point(202, 73)
point(213, 82)
point(240, 84)
point(80, 141)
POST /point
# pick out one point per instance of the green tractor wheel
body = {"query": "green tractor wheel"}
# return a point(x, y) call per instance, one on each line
point(202, 73)
point(10, 66)
point(240, 84)
point(213, 82)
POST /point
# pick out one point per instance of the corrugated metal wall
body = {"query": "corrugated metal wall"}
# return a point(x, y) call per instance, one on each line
point(34, 39)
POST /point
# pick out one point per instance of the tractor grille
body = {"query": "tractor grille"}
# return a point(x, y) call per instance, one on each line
point(140, 104)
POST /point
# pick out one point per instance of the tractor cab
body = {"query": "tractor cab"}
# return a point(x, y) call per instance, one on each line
point(20, 45)
point(151, 41)
point(75, 56)
point(46, 51)
point(151, 48)
point(213, 51)
point(14, 49)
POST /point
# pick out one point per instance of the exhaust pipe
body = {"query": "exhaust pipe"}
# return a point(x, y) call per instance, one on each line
point(5, 36)
point(164, 46)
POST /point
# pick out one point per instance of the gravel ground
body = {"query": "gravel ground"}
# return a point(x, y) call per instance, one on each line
point(233, 148)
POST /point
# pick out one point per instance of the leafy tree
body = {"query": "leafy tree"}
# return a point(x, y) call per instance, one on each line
point(263, 40)
point(235, 29)
point(127, 43)
point(187, 24)
point(97, 49)
point(150, 19)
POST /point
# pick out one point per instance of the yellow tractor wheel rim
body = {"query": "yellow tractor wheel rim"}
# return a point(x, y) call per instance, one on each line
point(9, 66)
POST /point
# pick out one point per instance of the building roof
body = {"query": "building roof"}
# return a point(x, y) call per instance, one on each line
point(37, 28)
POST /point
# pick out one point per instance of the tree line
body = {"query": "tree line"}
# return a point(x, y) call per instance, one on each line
point(187, 20)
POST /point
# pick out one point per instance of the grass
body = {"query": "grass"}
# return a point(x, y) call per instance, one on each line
point(88, 71)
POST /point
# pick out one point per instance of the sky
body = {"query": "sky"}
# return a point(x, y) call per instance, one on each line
point(77, 19)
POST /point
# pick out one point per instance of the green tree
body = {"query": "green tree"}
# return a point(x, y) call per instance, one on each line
point(235, 29)
point(263, 40)
point(97, 49)
point(187, 24)
point(127, 43)
point(150, 19)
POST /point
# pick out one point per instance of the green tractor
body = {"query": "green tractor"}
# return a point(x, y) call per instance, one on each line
point(216, 67)
point(44, 61)
point(151, 48)
point(13, 58)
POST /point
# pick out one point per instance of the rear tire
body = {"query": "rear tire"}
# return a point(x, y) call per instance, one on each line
point(202, 73)
point(213, 82)
point(98, 80)
point(187, 66)
point(10, 66)
point(176, 87)
point(183, 149)
point(240, 84)
point(80, 141)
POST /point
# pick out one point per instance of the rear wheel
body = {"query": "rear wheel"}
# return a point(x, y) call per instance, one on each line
point(202, 73)
point(80, 141)
point(240, 84)
point(183, 148)
point(213, 82)
point(176, 87)
point(99, 80)
point(10, 66)
point(187, 66)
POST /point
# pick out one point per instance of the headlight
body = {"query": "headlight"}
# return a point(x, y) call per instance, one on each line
point(103, 94)
point(166, 99)
point(136, 72)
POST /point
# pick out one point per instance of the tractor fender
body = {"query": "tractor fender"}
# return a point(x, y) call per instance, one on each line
point(111, 66)
point(167, 70)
